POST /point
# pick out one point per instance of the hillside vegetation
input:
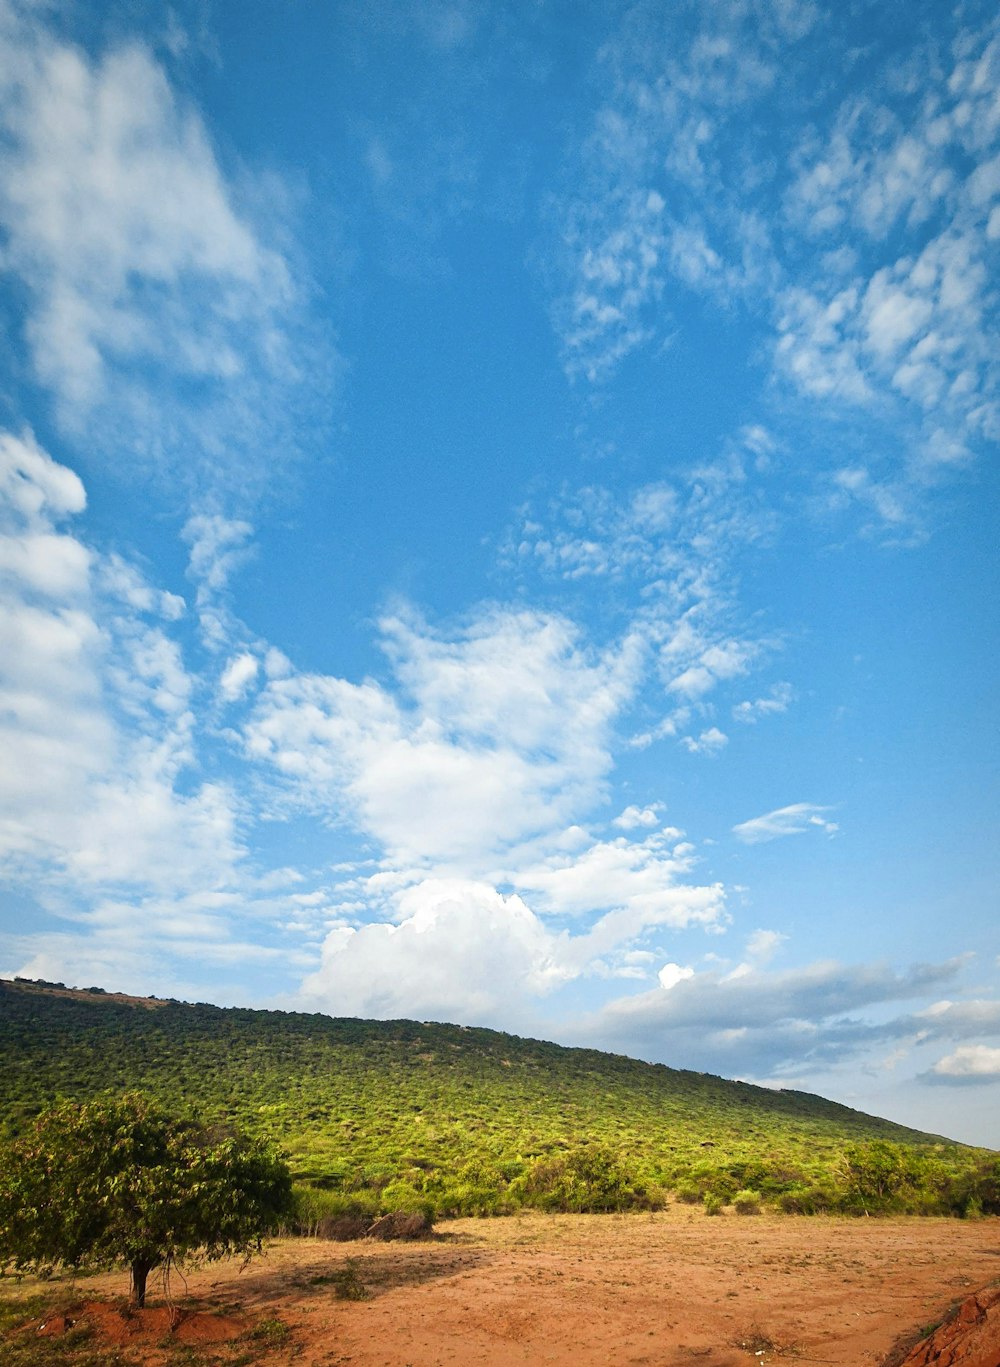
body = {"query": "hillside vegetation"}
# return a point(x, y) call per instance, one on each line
point(389, 1115)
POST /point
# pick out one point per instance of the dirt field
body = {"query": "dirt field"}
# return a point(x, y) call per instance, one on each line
point(671, 1289)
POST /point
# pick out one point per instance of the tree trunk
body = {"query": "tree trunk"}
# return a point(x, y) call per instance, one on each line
point(141, 1268)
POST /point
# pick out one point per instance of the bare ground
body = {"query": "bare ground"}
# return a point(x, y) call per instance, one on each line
point(671, 1289)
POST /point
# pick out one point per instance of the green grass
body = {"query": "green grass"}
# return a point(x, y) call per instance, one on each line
point(395, 1115)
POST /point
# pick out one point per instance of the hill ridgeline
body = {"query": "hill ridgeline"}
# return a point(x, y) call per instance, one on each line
point(389, 1115)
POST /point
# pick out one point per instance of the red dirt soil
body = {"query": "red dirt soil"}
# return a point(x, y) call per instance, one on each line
point(671, 1289)
point(125, 1328)
point(970, 1338)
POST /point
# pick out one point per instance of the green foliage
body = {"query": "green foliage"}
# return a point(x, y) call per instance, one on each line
point(347, 1283)
point(713, 1203)
point(382, 1115)
point(121, 1181)
point(590, 1178)
point(747, 1202)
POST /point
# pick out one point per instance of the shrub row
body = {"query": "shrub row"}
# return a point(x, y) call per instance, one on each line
point(873, 1178)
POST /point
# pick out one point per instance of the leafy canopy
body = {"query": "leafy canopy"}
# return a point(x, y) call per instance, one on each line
point(120, 1181)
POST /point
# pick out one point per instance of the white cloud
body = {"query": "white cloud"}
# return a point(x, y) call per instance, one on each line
point(497, 735)
point(672, 547)
point(457, 950)
point(238, 675)
point(916, 167)
point(470, 770)
point(633, 817)
point(795, 819)
point(155, 306)
point(672, 974)
point(970, 1063)
point(777, 701)
point(101, 803)
point(220, 546)
point(34, 486)
point(119, 579)
point(642, 876)
point(764, 944)
point(710, 742)
point(860, 241)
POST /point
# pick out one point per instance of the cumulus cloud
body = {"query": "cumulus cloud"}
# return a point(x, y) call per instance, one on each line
point(470, 771)
point(493, 737)
point(110, 818)
point(457, 950)
point(795, 819)
point(969, 1064)
point(709, 742)
point(633, 817)
point(237, 676)
point(672, 974)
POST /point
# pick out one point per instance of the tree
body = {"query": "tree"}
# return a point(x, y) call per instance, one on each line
point(875, 1172)
point(119, 1181)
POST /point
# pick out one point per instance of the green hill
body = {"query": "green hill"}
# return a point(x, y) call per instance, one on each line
point(465, 1120)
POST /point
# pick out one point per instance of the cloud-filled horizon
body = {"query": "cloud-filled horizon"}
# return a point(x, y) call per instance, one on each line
point(498, 525)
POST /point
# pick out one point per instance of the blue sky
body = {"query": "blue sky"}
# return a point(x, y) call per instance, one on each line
point(499, 523)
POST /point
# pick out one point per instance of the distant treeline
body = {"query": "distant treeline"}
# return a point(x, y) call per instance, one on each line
point(382, 1116)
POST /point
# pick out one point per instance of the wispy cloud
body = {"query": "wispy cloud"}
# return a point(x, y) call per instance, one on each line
point(666, 554)
point(778, 700)
point(795, 819)
point(153, 302)
point(863, 251)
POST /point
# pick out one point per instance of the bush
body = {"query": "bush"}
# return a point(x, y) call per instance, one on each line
point(468, 1199)
point(590, 1178)
point(807, 1201)
point(689, 1194)
point(713, 1203)
point(402, 1225)
point(747, 1202)
point(319, 1214)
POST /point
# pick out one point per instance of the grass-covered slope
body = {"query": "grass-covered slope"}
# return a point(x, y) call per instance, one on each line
point(465, 1119)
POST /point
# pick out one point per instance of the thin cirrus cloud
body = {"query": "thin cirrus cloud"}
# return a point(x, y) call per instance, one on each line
point(152, 300)
point(668, 550)
point(796, 819)
point(863, 252)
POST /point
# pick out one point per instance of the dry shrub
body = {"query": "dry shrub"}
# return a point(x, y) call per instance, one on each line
point(401, 1224)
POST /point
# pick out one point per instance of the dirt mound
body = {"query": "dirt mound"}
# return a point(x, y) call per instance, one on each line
point(968, 1338)
point(121, 1327)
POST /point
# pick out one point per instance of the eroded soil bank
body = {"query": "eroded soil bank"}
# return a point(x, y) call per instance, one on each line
point(671, 1289)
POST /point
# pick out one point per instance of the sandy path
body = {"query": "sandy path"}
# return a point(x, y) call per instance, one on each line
point(667, 1289)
